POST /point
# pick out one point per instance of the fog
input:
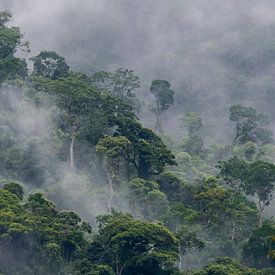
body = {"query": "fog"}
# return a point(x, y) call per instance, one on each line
point(214, 53)
point(33, 130)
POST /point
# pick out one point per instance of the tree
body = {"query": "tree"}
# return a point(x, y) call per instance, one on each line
point(11, 67)
point(175, 188)
point(164, 97)
point(192, 122)
point(188, 241)
point(115, 151)
point(80, 107)
point(77, 100)
point(249, 125)
point(49, 64)
point(261, 182)
point(227, 266)
point(14, 188)
point(150, 154)
point(234, 171)
point(224, 214)
point(37, 238)
point(256, 179)
point(124, 82)
point(146, 198)
point(211, 201)
point(121, 83)
point(193, 144)
point(84, 112)
point(256, 251)
point(133, 246)
point(102, 80)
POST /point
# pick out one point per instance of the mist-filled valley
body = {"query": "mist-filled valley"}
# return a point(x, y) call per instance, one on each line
point(137, 137)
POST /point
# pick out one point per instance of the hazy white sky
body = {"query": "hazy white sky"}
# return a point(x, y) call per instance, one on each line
point(202, 47)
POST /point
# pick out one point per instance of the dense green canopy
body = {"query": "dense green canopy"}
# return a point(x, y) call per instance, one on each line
point(78, 151)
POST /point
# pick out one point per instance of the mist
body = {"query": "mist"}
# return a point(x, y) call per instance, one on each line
point(32, 128)
point(205, 49)
point(214, 54)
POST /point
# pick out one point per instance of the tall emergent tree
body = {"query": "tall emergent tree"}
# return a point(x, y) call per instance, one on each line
point(150, 155)
point(256, 179)
point(122, 83)
point(259, 249)
point(50, 64)
point(35, 237)
point(79, 105)
point(133, 246)
point(193, 144)
point(188, 241)
point(250, 125)
point(116, 151)
point(11, 40)
point(164, 97)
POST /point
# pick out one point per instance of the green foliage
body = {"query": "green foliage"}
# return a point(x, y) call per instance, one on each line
point(266, 153)
point(246, 151)
point(150, 155)
point(256, 178)
point(188, 240)
point(218, 152)
point(124, 82)
point(174, 188)
point(49, 64)
point(256, 252)
point(225, 266)
point(54, 116)
point(11, 67)
point(164, 97)
point(249, 125)
point(121, 83)
point(132, 246)
point(35, 235)
point(146, 198)
point(115, 150)
point(14, 188)
point(192, 122)
point(193, 145)
point(101, 270)
point(85, 114)
point(189, 167)
point(4, 17)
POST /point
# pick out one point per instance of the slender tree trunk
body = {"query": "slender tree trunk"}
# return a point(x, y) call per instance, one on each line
point(238, 129)
point(180, 258)
point(119, 267)
point(261, 213)
point(158, 121)
point(199, 263)
point(188, 261)
point(110, 180)
point(177, 224)
point(128, 162)
point(233, 232)
point(74, 132)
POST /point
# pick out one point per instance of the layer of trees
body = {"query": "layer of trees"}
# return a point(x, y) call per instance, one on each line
point(192, 209)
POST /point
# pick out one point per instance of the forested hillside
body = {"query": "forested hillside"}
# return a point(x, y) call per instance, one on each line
point(94, 181)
